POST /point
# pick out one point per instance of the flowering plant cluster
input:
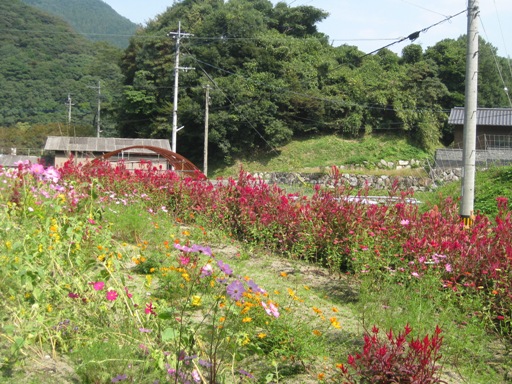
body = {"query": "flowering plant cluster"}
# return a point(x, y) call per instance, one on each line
point(395, 359)
point(396, 240)
point(189, 315)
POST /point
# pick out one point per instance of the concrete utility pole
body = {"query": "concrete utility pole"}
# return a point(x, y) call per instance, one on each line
point(470, 116)
point(69, 104)
point(98, 124)
point(178, 36)
point(206, 112)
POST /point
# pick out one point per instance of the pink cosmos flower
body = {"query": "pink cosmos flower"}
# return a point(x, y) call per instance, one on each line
point(111, 295)
point(271, 309)
point(274, 310)
point(448, 267)
point(37, 169)
point(404, 222)
point(207, 270)
point(98, 286)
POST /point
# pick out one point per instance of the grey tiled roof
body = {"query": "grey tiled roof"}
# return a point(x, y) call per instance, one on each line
point(9, 161)
point(100, 144)
point(501, 117)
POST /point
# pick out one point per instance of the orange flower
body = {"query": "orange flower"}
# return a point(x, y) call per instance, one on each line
point(335, 323)
point(283, 274)
point(317, 310)
point(246, 319)
point(316, 332)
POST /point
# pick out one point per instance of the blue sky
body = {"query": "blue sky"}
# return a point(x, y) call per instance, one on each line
point(372, 24)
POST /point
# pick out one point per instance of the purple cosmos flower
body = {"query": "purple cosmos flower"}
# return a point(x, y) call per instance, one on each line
point(199, 248)
point(183, 248)
point(119, 378)
point(245, 373)
point(255, 287)
point(224, 267)
point(235, 290)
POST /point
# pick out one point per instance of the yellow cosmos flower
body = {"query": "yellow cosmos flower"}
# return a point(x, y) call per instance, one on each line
point(196, 301)
point(247, 319)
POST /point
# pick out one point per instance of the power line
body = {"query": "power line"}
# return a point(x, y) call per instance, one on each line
point(503, 38)
point(505, 88)
point(413, 36)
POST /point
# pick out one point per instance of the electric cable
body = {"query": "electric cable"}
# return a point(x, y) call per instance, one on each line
point(413, 36)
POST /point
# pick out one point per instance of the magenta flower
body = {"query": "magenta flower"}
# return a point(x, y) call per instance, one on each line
point(73, 295)
point(111, 295)
point(128, 293)
point(184, 260)
point(98, 286)
point(149, 310)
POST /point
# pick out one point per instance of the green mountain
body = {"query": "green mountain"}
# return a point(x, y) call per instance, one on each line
point(42, 61)
point(93, 18)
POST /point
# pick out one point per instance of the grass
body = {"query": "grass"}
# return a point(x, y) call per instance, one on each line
point(320, 153)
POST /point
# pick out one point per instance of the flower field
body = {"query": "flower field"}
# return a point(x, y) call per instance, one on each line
point(124, 276)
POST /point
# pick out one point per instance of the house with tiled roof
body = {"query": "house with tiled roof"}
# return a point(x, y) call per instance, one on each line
point(494, 127)
point(84, 149)
point(493, 138)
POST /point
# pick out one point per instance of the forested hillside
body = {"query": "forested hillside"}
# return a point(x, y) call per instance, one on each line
point(272, 76)
point(42, 61)
point(94, 19)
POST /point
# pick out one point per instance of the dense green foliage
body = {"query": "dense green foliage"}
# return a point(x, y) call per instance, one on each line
point(275, 77)
point(42, 61)
point(94, 19)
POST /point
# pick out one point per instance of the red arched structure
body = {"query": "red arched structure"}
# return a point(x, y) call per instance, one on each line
point(176, 161)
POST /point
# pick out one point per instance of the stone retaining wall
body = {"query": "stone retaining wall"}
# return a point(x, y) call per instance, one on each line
point(437, 177)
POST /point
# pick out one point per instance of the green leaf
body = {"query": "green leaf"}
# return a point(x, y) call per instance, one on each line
point(169, 334)
point(166, 315)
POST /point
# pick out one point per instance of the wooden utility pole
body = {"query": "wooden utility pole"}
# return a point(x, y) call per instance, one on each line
point(470, 116)
point(206, 112)
point(178, 36)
